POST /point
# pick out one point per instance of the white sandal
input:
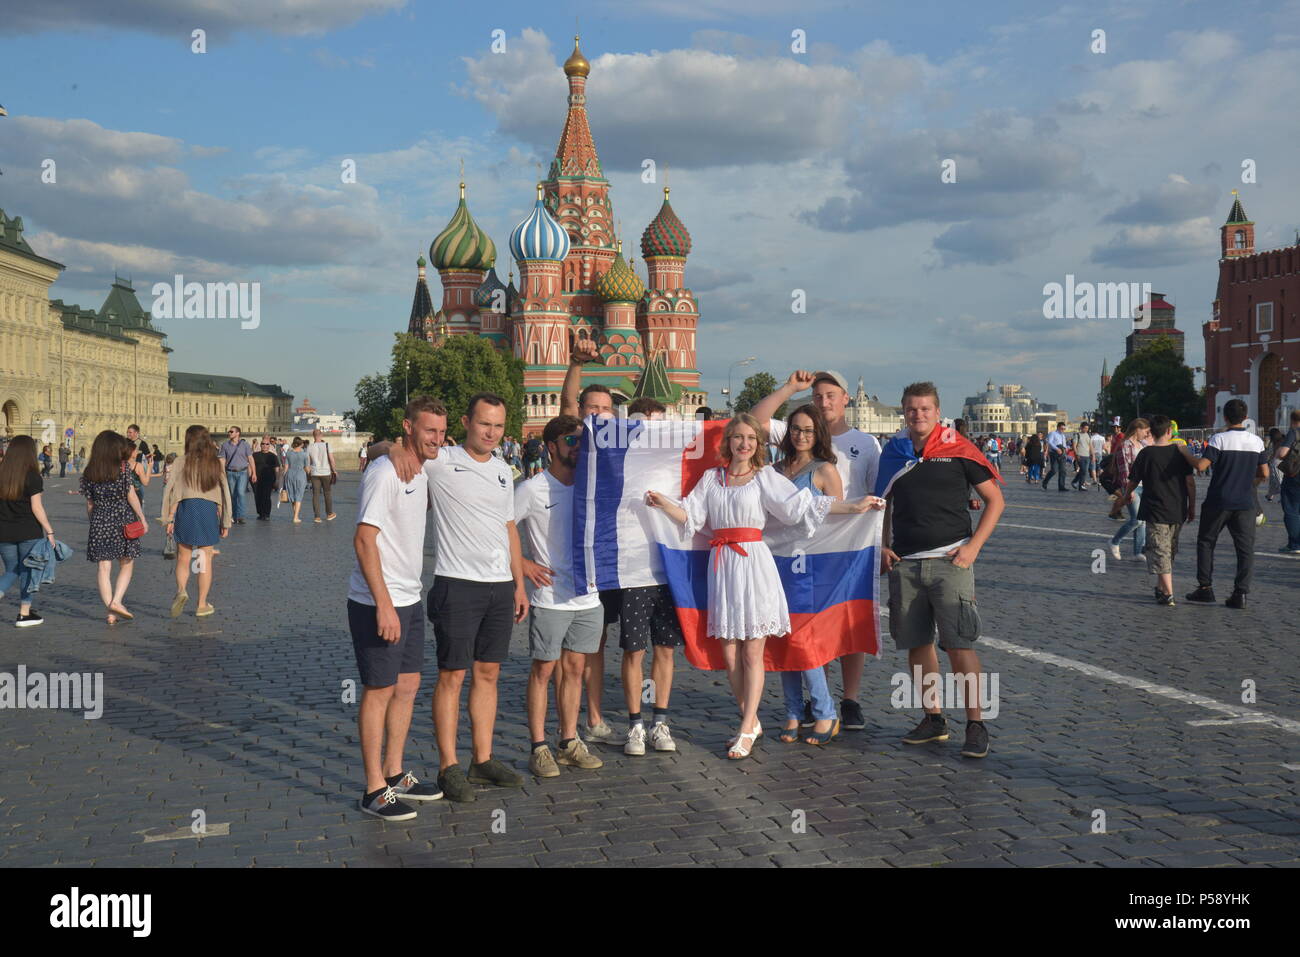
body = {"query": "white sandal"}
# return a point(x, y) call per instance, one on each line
point(758, 732)
point(742, 746)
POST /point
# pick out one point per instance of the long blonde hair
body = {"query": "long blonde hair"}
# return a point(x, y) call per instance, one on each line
point(760, 457)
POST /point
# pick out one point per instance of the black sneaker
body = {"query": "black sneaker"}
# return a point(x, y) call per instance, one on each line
point(1203, 593)
point(1236, 600)
point(454, 785)
point(407, 785)
point(495, 773)
point(808, 719)
point(385, 804)
point(933, 727)
point(29, 619)
point(977, 740)
point(851, 718)
point(1163, 599)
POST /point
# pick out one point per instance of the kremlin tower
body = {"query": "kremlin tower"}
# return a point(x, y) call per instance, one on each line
point(573, 283)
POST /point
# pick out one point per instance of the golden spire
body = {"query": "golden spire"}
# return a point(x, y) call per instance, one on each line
point(576, 64)
point(540, 189)
point(462, 177)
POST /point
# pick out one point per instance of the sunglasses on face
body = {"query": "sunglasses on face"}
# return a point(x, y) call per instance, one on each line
point(571, 440)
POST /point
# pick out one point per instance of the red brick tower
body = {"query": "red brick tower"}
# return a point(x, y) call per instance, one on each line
point(668, 316)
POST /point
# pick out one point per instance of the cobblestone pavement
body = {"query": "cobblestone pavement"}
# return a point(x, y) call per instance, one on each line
point(1109, 705)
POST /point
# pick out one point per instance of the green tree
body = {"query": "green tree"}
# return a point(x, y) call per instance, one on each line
point(758, 387)
point(453, 372)
point(1168, 390)
point(373, 413)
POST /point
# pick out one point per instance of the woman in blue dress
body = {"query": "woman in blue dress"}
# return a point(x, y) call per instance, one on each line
point(295, 475)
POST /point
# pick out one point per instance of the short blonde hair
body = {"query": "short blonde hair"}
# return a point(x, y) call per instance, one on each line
point(760, 453)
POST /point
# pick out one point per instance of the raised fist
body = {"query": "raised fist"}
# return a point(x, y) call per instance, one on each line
point(800, 379)
point(584, 351)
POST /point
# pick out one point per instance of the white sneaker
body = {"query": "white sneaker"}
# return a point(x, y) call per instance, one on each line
point(662, 738)
point(1114, 553)
point(635, 740)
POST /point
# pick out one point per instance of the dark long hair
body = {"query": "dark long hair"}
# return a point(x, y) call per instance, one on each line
point(20, 458)
point(202, 464)
point(109, 450)
point(823, 448)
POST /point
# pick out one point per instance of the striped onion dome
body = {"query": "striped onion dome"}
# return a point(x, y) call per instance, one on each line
point(665, 236)
point(462, 245)
point(620, 283)
point(483, 295)
point(539, 236)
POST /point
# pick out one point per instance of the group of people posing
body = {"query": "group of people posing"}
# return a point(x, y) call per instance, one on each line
point(503, 556)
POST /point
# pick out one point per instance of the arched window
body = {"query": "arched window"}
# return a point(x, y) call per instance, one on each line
point(1239, 239)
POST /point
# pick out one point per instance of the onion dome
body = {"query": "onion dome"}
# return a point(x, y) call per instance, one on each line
point(462, 245)
point(620, 283)
point(539, 236)
point(665, 236)
point(485, 295)
point(421, 263)
point(576, 64)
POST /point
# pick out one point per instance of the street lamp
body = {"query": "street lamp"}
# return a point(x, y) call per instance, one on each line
point(739, 362)
point(408, 381)
point(1137, 386)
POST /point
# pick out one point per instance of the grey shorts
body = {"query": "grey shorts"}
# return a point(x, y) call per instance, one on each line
point(929, 592)
point(553, 629)
point(1162, 547)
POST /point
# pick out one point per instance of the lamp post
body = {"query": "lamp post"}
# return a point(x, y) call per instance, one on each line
point(739, 362)
point(1137, 385)
point(408, 381)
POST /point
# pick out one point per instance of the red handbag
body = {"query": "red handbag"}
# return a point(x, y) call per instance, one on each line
point(133, 530)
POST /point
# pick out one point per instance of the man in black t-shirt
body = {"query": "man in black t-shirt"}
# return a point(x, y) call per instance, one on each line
point(928, 552)
point(1168, 500)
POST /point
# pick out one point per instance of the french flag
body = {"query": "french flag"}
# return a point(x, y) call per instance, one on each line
point(899, 457)
point(831, 580)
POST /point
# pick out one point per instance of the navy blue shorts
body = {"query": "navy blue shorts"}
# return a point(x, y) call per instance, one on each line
point(472, 621)
point(379, 661)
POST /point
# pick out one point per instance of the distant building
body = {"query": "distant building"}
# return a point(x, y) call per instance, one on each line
point(306, 418)
point(1252, 341)
point(1006, 410)
point(869, 414)
point(1161, 312)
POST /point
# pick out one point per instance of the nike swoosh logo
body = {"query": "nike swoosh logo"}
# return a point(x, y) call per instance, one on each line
point(553, 506)
point(409, 491)
point(459, 469)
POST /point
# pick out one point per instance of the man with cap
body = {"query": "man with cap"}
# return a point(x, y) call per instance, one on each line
point(858, 461)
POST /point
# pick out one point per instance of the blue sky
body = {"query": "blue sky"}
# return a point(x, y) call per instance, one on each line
point(817, 171)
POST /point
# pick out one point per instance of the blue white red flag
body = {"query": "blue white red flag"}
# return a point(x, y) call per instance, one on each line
point(899, 457)
point(831, 580)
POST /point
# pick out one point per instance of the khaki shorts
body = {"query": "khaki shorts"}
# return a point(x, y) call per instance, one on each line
point(925, 593)
point(1162, 548)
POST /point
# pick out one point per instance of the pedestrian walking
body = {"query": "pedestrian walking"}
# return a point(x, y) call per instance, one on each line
point(1082, 458)
point(46, 460)
point(237, 456)
point(157, 460)
point(563, 627)
point(199, 514)
point(1240, 461)
point(1137, 438)
point(1168, 500)
point(1288, 464)
point(747, 603)
point(296, 471)
point(386, 616)
point(117, 521)
point(64, 454)
point(323, 474)
point(1276, 440)
point(23, 523)
point(1057, 444)
point(1034, 457)
point(266, 466)
point(79, 462)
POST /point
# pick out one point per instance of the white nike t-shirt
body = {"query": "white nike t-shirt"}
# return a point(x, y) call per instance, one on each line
point(544, 514)
point(472, 501)
point(399, 511)
point(857, 457)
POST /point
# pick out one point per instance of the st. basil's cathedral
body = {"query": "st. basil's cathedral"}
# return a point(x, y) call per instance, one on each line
point(573, 283)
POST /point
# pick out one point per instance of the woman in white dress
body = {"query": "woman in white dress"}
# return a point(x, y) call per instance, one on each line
point(746, 601)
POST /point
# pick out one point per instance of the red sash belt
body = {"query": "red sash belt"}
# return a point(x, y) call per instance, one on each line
point(731, 538)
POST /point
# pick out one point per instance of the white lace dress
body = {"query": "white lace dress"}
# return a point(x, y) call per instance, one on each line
point(746, 599)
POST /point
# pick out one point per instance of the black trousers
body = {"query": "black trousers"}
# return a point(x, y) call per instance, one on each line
point(1241, 526)
point(263, 489)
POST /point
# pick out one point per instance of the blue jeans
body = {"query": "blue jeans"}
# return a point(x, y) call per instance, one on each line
point(1036, 472)
point(823, 707)
point(12, 554)
point(238, 486)
point(1138, 528)
point(1291, 508)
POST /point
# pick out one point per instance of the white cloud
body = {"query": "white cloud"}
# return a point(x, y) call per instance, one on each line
point(177, 18)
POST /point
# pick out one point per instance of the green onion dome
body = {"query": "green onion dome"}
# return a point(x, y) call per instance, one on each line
point(462, 245)
point(620, 283)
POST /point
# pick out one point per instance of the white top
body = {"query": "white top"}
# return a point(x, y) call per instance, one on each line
point(857, 457)
point(746, 599)
point(318, 458)
point(544, 514)
point(1098, 445)
point(399, 511)
point(472, 502)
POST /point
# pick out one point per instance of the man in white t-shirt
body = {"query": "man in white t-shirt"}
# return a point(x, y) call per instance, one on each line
point(385, 614)
point(478, 589)
point(563, 625)
point(858, 457)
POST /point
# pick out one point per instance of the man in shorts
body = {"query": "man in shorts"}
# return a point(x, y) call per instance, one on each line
point(386, 617)
point(1168, 500)
point(478, 589)
point(929, 552)
point(563, 626)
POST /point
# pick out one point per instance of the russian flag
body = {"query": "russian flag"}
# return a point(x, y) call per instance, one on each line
point(899, 457)
point(831, 580)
